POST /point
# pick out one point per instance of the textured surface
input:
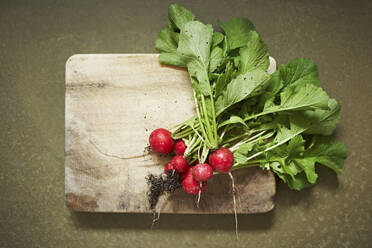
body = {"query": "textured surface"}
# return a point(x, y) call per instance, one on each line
point(113, 102)
point(36, 39)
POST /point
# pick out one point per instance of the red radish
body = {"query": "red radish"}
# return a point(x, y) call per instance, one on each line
point(222, 160)
point(168, 167)
point(161, 141)
point(180, 164)
point(202, 172)
point(180, 147)
point(190, 185)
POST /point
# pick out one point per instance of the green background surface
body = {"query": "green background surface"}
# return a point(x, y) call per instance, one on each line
point(36, 39)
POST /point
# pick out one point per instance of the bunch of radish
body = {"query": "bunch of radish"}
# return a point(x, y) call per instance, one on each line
point(193, 176)
point(244, 115)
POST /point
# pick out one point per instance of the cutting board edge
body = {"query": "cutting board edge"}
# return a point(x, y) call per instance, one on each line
point(272, 205)
point(272, 66)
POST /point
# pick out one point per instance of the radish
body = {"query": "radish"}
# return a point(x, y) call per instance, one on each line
point(168, 167)
point(222, 160)
point(180, 164)
point(190, 185)
point(202, 172)
point(180, 147)
point(161, 141)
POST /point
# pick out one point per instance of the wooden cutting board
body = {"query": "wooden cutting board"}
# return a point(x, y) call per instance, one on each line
point(113, 102)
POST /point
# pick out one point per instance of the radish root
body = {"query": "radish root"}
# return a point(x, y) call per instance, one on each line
point(155, 218)
point(199, 194)
point(234, 201)
point(160, 184)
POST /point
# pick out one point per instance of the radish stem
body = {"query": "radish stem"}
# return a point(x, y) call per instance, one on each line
point(251, 140)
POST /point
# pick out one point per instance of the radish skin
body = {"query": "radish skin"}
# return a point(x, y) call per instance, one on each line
point(180, 147)
point(202, 172)
point(180, 164)
point(222, 160)
point(168, 167)
point(190, 185)
point(161, 141)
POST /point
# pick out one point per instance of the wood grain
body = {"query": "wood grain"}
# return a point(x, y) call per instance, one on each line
point(113, 102)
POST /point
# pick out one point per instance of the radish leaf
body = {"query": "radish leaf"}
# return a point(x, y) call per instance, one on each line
point(326, 120)
point(244, 86)
point(194, 46)
point(237, 31)
point(179, 15)
point(217, 38)
point(254, 55)
point(216, 59)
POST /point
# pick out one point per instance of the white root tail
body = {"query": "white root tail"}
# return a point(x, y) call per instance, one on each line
point(234, 201)
point(199, 194)
point(155, 218)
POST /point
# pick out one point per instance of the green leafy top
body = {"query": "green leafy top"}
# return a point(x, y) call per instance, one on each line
point(282, 122)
